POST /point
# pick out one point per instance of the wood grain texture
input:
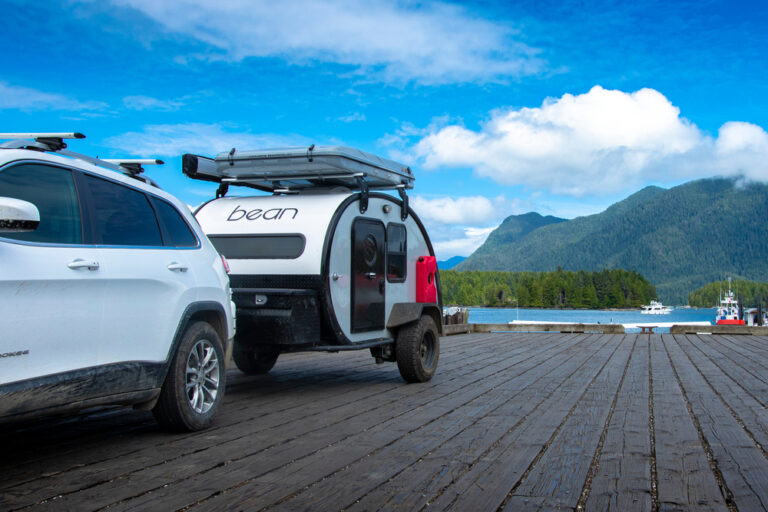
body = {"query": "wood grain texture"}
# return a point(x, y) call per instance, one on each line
point(511, 421)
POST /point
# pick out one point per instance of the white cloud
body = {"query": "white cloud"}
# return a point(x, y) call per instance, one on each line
point(23, 98)
point(459, 225)
point(463, 244)
point(430, 43)
point(459, 210)
point(172, 140)
point(148, 103)
point(600, 142)
point(357, 116)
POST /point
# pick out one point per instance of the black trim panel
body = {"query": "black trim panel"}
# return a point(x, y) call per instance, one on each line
point(69, 390)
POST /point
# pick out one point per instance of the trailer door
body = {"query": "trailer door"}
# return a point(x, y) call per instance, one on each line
point(368, 242)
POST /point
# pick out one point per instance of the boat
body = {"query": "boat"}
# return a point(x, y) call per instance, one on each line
point(656, 308)
point(728, 311)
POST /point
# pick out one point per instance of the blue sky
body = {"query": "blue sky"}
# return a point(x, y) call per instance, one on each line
point(500, 107)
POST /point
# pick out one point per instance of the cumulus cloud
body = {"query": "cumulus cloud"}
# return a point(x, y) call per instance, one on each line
point(25, 98)
point(206, 139)
point(600, 142)
point(429, 42)
point(463, 244)
point(455, 210)
point(459, 225)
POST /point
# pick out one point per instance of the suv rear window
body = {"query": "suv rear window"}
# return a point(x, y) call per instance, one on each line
point(176, 230)
point(258, 247)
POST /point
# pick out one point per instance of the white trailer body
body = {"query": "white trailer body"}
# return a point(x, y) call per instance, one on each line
point(319, 265)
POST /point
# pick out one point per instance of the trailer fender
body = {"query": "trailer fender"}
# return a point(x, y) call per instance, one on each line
point(406, 312)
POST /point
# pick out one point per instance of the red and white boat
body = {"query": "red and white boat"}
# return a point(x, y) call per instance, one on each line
point(728, 312)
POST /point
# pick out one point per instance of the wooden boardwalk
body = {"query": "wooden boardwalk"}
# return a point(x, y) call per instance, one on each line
point(510, 422)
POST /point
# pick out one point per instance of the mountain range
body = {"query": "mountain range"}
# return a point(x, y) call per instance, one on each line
point(679, 238)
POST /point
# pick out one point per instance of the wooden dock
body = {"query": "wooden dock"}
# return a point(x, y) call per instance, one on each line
point(510, 422)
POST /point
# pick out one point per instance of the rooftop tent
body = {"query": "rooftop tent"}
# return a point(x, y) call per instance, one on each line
point(296, 168)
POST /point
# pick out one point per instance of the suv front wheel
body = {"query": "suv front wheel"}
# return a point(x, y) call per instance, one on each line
point(194, 387)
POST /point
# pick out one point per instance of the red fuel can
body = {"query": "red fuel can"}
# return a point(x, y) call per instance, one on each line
point(426, 289)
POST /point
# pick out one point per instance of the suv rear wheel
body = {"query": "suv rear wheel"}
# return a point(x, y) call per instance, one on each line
point(194, 387)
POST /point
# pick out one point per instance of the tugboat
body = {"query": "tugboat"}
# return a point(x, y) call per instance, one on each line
point(728, 312)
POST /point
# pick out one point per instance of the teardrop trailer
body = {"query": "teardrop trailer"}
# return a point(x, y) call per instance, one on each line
point(327, 262)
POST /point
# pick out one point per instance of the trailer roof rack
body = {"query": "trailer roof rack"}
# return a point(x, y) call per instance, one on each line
point(289, 170)
point(54, 142)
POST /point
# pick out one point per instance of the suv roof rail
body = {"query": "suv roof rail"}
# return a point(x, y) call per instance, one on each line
point(54, 142)
point(133, 167)
point(47, 141)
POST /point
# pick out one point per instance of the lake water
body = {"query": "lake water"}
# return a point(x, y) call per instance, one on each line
point(590, 316)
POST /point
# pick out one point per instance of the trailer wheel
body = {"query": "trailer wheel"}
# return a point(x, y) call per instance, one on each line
point(194, 387)
point(255, 361)
point(417, 349)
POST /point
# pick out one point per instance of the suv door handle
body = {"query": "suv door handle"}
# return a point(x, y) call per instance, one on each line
point(177, 267)
point(370, 275)
point(79, 263)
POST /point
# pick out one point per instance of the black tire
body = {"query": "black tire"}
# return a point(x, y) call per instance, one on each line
point(180, 409)
point(417, 349)
point(255, 361)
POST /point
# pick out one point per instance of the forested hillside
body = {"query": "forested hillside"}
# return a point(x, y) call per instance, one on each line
point(679, 239)
point(708, 296)
point(558, 289)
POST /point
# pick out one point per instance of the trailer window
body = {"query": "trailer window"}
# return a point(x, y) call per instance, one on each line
point(397, 244)
point(259, 247)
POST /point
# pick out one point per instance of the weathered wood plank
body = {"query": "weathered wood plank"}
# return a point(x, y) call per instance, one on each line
point(561, 472)
point(517, 421)
point(685, 480)
point(484, 420)
point(736, 394)
point(488, 482)
point(741, 467)
point(285, 443)
point(623, 478)
point(329, 458)
point(308, 401)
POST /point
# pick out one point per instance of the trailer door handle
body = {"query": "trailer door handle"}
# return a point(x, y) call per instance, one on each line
point(370, 275)
point(177, 267)
point(79, 263)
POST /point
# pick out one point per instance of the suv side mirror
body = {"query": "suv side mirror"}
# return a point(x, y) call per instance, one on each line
point(17, 216)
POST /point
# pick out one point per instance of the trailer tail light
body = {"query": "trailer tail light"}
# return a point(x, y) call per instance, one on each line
point(225, 263)
point(426, 288)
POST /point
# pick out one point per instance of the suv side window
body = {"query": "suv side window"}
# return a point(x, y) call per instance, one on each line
point(121, 215)
point(176, 231)
point(52, 190)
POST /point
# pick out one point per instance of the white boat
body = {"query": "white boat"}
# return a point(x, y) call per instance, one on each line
point(656, 308)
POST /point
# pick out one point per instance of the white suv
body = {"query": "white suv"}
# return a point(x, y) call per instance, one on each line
point(110, 293)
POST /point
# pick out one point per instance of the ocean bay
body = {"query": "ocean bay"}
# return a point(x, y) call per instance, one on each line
point(627, 317)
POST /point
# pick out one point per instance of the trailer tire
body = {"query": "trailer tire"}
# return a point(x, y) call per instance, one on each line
point(194, 387)
point(255, 361)
point(417, 349)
